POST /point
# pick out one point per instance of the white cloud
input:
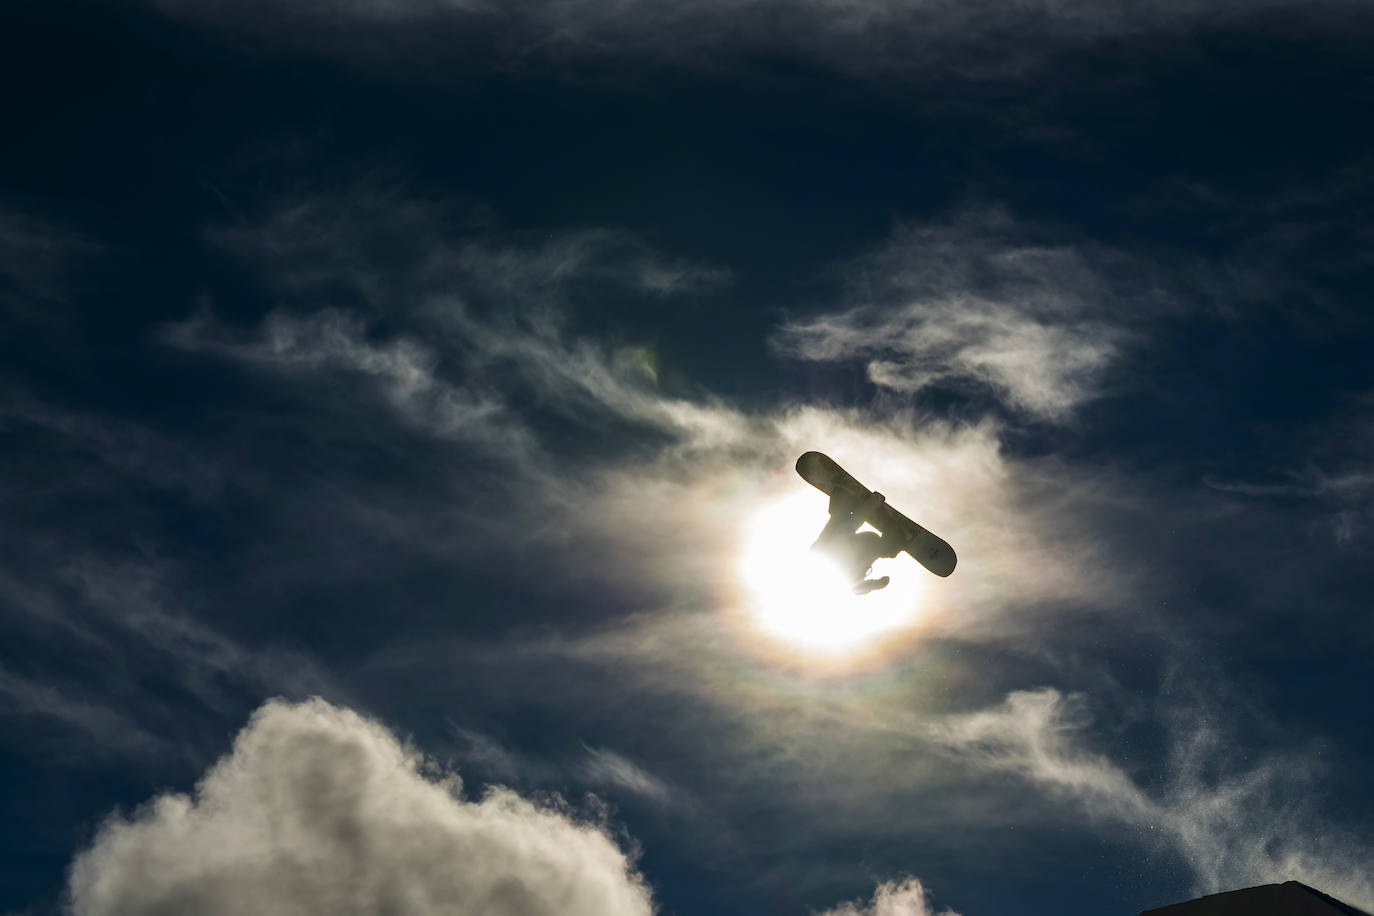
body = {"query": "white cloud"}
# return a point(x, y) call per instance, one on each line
point(587, 378)
point(1235, 826)
point(1042, 368)
point(485, 311)
point(973, 302)
point(907, 897)
point(317, 809)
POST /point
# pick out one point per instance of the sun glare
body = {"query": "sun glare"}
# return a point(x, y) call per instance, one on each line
point(799, 596)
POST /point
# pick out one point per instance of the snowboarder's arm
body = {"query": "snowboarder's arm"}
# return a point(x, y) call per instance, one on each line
point(838, 527)
point(842, 503)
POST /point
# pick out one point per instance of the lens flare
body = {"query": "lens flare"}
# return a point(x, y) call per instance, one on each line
point(798, 596)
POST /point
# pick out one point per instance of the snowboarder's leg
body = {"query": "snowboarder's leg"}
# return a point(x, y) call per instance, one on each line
point(871, 585)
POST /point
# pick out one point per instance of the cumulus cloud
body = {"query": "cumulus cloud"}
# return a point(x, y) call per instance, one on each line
point(975, 303)
point(1234, 825)
point(907, 897)
point(318, 809)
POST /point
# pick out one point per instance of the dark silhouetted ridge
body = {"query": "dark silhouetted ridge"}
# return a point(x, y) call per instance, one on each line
point(1290, 898)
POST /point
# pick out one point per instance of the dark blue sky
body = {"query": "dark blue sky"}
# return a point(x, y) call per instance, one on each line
point(446, 363)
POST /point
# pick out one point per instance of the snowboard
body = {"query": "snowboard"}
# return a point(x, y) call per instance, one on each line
point(932, 552)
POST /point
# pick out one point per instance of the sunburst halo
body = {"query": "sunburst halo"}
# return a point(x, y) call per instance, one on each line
point(798, 596)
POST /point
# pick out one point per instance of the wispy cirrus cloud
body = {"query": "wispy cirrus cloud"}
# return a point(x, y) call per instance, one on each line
point(122, 617)
point(385, 250)
point(1234, 821)
point(987, 38)
point(976, 304)
point(36, 256)
point(486, 344)
point(1337, 478)
point(87, 721)
point(602, 769)
point(403, 369)
point(606, 767)
point(121, 604)
point(1347, 495)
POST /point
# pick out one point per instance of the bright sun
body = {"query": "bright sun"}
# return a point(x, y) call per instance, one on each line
point(799, 596)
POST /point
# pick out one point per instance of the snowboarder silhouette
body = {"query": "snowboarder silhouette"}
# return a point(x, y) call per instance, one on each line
point(852, 504)
point(855, 550)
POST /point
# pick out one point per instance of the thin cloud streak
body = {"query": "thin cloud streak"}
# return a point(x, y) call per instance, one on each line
point(403, 369)
point(1234, 827)
point(118, 605)
point(36, 257)
point(980, 39)
point(393, 251)
point(1338, 480)
point(611, 774)
point(93, 724)
point(605, 767)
